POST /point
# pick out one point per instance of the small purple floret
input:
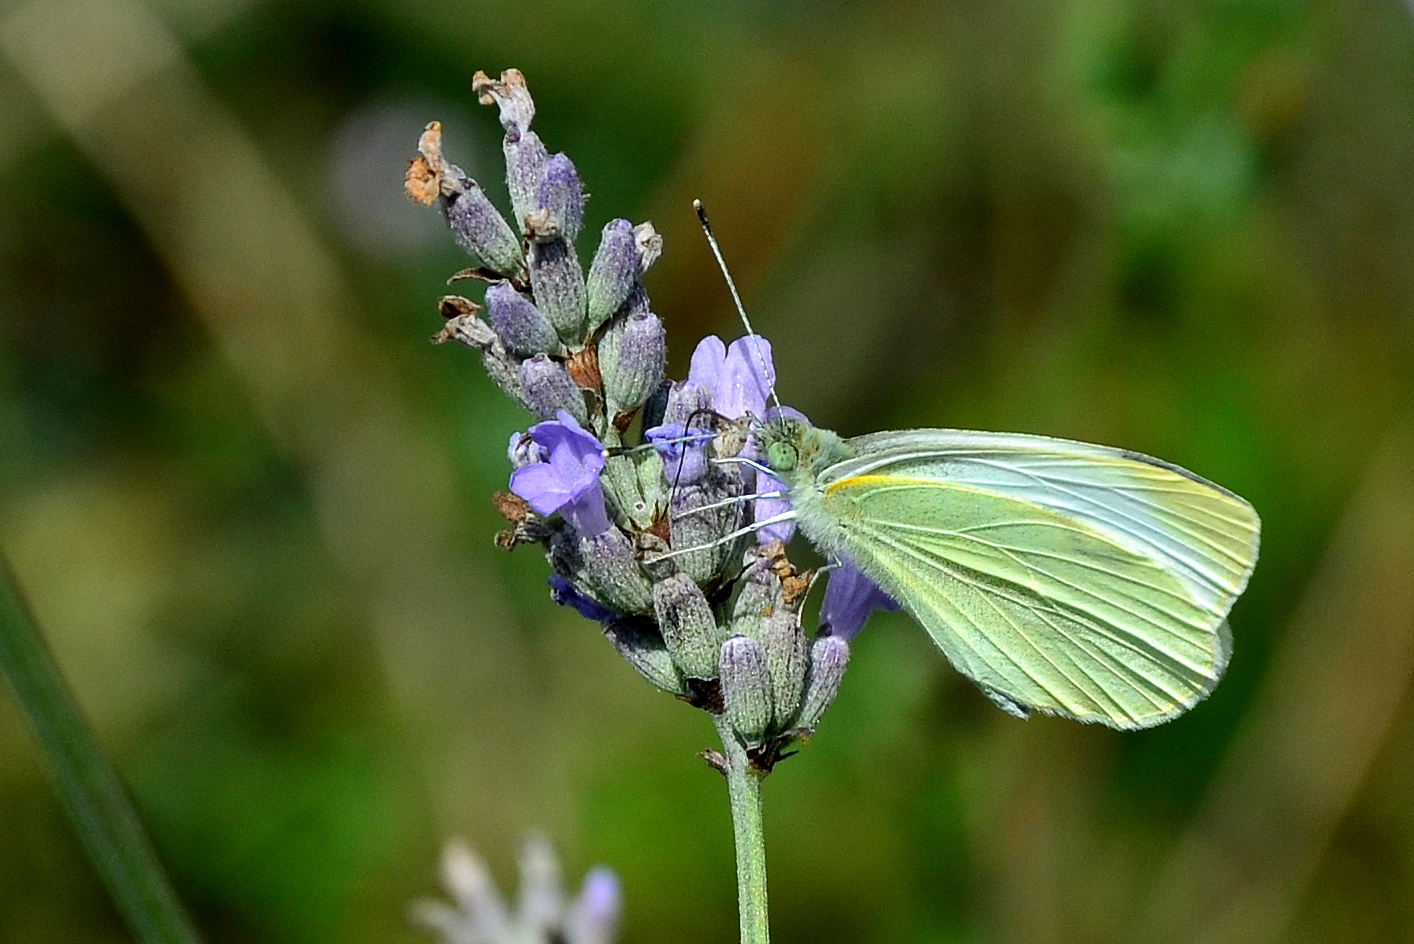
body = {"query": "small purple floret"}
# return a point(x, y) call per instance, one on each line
point(739, 377)
point(566, 594)
point(565, 478)
point(850, 598)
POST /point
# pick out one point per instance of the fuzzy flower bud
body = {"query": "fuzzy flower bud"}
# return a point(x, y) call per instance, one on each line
point(561, 198)
point(548, 389)
point(828, 657)
point(645, 651)
point(613, 272)
point(787, 660)
point(746, 687)
point(690, 527)
point(688, 628)
point(558, 284)
point(478, 227)
point(519, 324)
point(606, 564)
point(632, 354)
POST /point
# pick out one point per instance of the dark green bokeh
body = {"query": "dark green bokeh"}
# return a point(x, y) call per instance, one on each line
point(250, 502)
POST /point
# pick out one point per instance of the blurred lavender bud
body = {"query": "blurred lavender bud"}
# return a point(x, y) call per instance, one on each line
point(594, 916)
point(645, 650)
point(689, 630)
point(632, 355)
point(561, 198)
point(746, 688)
point(478, 227)
point(558, 284)
point(649, 244)
point(787, 661)
point(519, 324)
point(479, 915)
point(605, 564)
point(541, 902)
point(828, 657)
point(547, 389)
point(613, 272)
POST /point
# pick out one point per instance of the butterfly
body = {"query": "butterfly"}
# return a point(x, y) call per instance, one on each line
point(1076, 580)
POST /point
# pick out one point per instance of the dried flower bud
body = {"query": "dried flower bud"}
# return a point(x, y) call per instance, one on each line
point(521, 326)
point(650, 246)
point(746, 687)
point(613, 272)
point(560, 196)
point(828, 657)
point(689, 630)
point(478, 227)
point(632, 355)
point(558, 283)
point(547, 389)
point(646, 652)
point(510, 94)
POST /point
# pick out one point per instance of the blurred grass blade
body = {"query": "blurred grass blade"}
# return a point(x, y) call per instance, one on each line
point(100, 811)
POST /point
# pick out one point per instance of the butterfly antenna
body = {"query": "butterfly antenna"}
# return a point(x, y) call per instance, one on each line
point(736, 296)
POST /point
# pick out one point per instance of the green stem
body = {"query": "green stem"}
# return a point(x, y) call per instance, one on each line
point(744, 788)
point(97, 807)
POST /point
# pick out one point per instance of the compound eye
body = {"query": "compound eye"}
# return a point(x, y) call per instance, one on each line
point(781, 456)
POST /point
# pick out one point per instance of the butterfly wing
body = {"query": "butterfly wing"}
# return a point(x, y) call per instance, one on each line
point(1074, 579)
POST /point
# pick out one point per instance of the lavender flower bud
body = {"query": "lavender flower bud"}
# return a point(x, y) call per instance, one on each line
point(646, 652)
point(787, 660)
point(650, 246)
point(525, 154)
point(688, 628)
point(541, 899)
point(478, 227)
point(652, 487)
point(758, 595)
point(621, 488)
point(561, 197)
point(594, 917)
point(828, 657)
point(690, 528)
point(606, 566)
point(746, 687)
point(558, 283)
point(525, 165)
point(632, 355)
point(612, 273)
point(519, 324)
point(547, 389)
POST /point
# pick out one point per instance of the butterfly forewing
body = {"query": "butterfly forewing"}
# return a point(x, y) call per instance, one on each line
point(1070, 578)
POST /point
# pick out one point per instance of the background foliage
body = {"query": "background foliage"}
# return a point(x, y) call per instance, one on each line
point(250, 502)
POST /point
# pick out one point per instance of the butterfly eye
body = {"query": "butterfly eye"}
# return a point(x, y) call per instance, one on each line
point(781, 456)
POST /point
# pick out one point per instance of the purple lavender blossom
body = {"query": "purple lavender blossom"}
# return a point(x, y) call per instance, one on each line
point(566, 594)
point(850, 598)
point(564, 475)
point(738, 380)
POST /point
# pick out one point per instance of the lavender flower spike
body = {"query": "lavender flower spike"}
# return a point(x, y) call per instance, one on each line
point(850, 598)
point(566, 479)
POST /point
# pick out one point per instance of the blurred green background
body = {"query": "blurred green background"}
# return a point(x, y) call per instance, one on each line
point(249, 500)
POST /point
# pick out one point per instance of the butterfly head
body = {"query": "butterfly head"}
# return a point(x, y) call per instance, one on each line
point(795, 451)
